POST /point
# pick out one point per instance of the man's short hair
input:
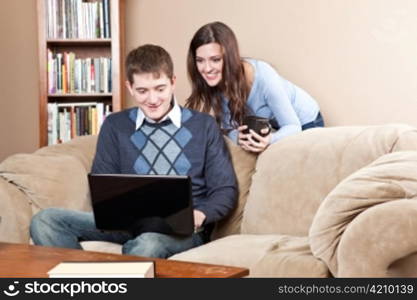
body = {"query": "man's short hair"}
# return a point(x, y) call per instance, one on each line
point(149, 59)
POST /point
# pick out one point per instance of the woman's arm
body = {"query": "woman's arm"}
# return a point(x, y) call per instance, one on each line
point(278, 101)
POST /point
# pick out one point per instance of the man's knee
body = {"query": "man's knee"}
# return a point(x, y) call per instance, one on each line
point(147, 244)
point(43, 220)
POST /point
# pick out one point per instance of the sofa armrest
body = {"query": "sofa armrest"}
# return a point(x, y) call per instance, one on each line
point(15, 214)
point(390, 179)
point(378, 238)
point(53, 176)
point(294, 176)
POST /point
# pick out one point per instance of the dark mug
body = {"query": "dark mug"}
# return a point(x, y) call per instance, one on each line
point(256, 124)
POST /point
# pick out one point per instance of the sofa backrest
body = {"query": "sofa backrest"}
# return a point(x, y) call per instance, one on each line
point(293, 176)
point(244, 167)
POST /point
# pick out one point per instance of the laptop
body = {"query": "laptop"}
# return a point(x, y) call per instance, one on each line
point(142, 203)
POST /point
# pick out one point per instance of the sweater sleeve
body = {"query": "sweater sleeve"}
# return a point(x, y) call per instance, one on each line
point(220, 177)
point(106, 160)
point(279, 103)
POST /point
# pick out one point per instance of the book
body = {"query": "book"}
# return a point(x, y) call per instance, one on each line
point(103, 269)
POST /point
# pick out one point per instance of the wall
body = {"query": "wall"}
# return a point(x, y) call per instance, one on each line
point(18, 77)
point(358, 58)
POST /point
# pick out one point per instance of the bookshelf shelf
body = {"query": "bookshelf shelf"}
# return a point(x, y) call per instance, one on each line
point(81, 43)
point(80, 95)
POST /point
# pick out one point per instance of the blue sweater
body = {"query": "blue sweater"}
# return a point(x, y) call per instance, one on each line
point(196, 149)
point(271, 96)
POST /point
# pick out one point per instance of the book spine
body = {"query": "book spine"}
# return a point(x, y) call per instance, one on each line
point(97, 74)
point(67, 124)
point(82, 116)
point(50, 125)
point(110, 87)
point(78, 121)
point(106, 18)
point(100, 115)
point(54, 121)
point(90, 119)
point(88, 74)
point(50, 72)
point(73, 123)
point(101, 18)
point(59, 72)
point(72, 71)
point(64, 20)
point(93, 120)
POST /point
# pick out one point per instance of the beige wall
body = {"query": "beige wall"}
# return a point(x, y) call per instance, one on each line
point(358, 58)
point(18, 77)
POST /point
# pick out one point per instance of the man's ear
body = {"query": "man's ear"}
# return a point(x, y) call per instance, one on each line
point(173, 81)
point(129, 87)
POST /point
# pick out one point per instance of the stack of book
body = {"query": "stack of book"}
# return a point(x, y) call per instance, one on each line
point(69, 120)
point(106, 269)
point(68, 74)
point(78, 19)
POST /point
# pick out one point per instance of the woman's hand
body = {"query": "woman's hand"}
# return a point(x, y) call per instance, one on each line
point(252, 141)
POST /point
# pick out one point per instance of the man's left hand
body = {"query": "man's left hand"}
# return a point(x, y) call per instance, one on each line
point(199, 218)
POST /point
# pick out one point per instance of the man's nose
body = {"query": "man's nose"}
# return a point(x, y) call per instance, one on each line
point(153, 97)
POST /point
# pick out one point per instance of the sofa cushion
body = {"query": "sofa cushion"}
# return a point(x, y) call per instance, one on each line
point(54, 176)
point(359, 199)
point(101, 246)
point(264, 255)
point(294, 175)
point(244, 167)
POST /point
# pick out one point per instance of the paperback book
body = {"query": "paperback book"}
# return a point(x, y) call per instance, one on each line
point(105, 269)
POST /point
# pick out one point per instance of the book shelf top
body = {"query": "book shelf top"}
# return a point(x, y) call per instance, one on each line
point(72, 42)
point(80, 95)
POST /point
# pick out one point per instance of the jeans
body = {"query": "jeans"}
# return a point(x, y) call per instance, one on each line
point(64, 228)
point(318, 122)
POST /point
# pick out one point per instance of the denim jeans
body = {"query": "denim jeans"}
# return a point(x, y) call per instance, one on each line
point(318, 122)
point(64, 228)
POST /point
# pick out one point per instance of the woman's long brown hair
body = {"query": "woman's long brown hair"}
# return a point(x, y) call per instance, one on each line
point(233, 85)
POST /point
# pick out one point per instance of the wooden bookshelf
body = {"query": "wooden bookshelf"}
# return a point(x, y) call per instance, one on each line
point(112, 47)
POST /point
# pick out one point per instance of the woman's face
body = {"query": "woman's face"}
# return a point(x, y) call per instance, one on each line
point(209, 61)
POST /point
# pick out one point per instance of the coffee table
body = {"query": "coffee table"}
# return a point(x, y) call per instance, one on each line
point(23, 260)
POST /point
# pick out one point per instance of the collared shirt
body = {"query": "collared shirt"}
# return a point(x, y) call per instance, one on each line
point(174, 114)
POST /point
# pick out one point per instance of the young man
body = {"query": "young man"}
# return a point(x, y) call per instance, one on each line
point(156, 137)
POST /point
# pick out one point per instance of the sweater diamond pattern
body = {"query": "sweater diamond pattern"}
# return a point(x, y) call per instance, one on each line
point(161, 149)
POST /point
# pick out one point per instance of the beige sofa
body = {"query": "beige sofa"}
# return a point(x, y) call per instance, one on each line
point(336, 201)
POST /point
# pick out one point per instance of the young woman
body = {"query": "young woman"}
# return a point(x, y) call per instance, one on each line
point(233, 87)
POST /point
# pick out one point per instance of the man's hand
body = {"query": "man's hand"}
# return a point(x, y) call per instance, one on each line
point(254, 142)
point(199, 218)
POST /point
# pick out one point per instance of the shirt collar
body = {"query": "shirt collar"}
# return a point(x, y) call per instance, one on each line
point(174, 114)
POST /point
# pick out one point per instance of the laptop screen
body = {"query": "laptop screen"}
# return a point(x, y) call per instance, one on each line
point(141, 203)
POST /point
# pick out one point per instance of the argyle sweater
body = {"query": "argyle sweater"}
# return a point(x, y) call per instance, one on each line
point(196, 149)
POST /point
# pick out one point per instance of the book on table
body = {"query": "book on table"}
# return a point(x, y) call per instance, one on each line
point(103, 269)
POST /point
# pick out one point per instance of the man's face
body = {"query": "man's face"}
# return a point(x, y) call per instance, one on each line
point(153, 95)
